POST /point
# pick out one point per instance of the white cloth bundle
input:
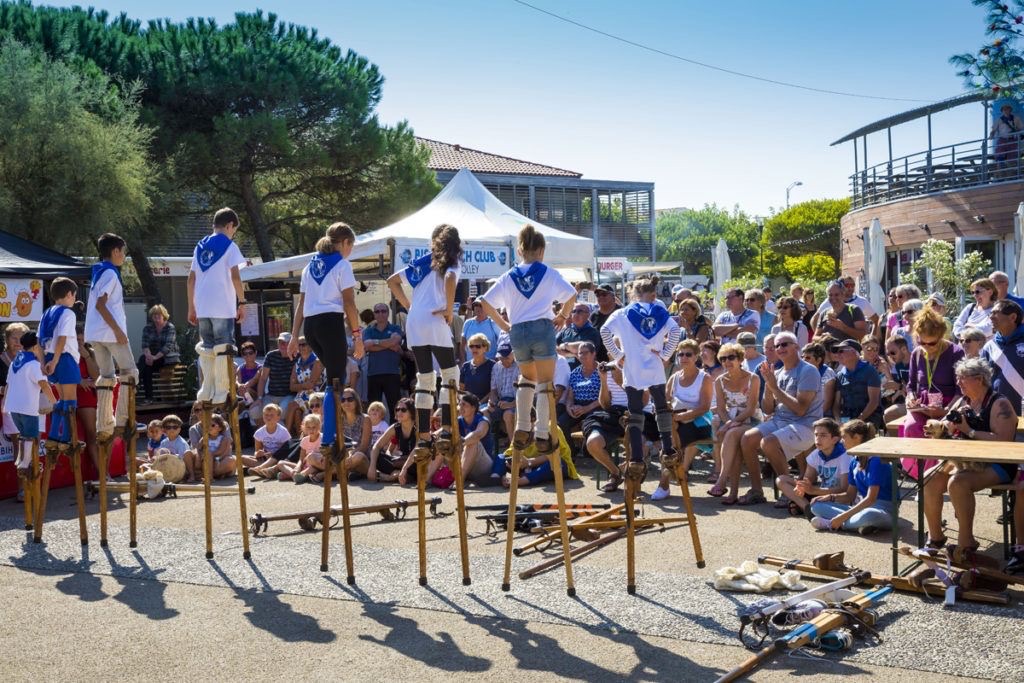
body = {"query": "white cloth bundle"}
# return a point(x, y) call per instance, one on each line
point(752, 578)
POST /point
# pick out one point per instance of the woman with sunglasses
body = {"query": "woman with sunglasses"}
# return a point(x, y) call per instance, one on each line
point(897, 322)
point(692, 321)
point(390, 457)
point(816, 354)
point(358, 433)
point(641, 338)
point(790, 320)
point(979, 313)
point(247, 374)
point(755, 301)
point(932, 384)
point(433, 278)
point(307, 374)
point(737, 405)
point(971, 340)
point(326, 300)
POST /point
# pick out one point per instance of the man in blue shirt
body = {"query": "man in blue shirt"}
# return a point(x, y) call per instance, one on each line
point(480, 324)
point(859, 395)
point(383, 344)
point(578, 330)
point(1002, 282)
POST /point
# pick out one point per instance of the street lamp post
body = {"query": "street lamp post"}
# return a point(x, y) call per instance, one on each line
point(760, 240)
point(795, 183)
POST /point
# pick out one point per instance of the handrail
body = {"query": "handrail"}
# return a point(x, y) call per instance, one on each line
point(952, 167)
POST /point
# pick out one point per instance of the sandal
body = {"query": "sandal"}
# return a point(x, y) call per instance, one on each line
point(729, 500)
point(795, 509)
point(751, 498)
point(614, 482)
point(782, 503)
point(713, 477)
point(936, 544)
point(717, 491)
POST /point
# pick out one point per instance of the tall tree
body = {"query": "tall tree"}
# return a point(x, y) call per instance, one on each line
point(998, 65)
point(689, 235)
point(810, 227)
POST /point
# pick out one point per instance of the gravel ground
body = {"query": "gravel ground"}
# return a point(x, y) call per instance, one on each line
point(674, 599)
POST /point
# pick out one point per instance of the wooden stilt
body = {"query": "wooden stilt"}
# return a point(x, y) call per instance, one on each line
point(32, 484)
point(513, 490)
point(103, 448)
point(632, 484)
point(44, 493)
point(23, 477)
point(325, 534)
point(342, 465)
point(236, 434)
point(207, 410)
point(130, 437)
point(555, 458)
point(460, 488)
point(682, 478)
point(422, 454)
point(75, 452)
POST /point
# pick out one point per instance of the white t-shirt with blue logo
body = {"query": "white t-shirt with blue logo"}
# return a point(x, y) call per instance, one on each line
point(422, 326)
point(645, 343)
point(829, 470)
point(214, 291)
point(526, 292)
point(96, 328)
point(325, 296)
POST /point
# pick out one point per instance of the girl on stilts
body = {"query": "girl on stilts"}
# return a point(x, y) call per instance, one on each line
point(433, 278)
point(526, 292)
point(326, 298)
point(641, 338)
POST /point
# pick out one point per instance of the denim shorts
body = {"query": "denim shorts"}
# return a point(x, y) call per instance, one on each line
point(66, 371)
point(28, 425)
point(216, 331)
point(533, 340)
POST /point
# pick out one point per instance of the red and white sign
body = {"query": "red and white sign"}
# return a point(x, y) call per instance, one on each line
point(613, 265)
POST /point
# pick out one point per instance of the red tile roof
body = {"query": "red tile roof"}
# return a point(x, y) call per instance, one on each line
point(445, 156)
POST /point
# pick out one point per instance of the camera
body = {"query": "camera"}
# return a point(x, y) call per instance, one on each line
point(956, 415)
point(606, 367)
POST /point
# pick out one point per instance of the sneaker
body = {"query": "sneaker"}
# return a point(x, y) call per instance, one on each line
point(1016, 564)
point(821, 524)
point(659, 494)
point(799, 613)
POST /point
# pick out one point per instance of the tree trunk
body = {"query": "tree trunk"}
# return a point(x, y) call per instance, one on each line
point(255, 213)
point(145, 273)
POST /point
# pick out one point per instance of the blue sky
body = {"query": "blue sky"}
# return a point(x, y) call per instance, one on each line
point(500, 77)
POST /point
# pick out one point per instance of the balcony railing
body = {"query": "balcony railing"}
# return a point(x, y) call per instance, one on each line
point(954, 167)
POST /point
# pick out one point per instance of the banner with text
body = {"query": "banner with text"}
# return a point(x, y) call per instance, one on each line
point(21, 300)
point(479, 261)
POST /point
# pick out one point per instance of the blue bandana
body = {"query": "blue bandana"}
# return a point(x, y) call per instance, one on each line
point(210, 249)
point(839, 450)
point(21, 360)
point(321, 264)
point(103, 266)
point(48, 325)
point(647, 322)
point(527, 282)
point(417, 270)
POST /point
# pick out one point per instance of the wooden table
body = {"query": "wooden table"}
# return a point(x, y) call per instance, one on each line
point(892, 448)
point(892, 428)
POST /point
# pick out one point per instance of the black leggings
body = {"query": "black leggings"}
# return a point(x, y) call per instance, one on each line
point(424, 356)
point(635, 404)
point(325, 334)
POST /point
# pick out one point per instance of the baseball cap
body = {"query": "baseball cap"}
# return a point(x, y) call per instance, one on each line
point(284, 337)
point(847, 344)
point(746, 339)
point(937, 298)
point(604, 288)
point(505, 350)
point(677, 289)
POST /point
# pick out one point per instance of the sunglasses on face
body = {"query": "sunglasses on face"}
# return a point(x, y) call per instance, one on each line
point(783, 345)
point(383, 310)
point(976, 292)
point(248, 352)
point(303, 344)
point(401, 410)
point(686, 354)
point(476, 346)
point(731, 356)
point(929, 344)
point(314, 406)
point(348, 399)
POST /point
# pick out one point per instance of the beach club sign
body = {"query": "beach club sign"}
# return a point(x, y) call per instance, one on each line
point(21, 300)
point(479, 261)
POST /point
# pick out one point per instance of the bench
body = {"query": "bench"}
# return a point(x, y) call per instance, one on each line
point(1006, 492)
point(169, 384)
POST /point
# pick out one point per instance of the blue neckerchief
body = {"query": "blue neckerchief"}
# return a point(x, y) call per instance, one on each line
point(417, 270)
point(48, 325)
point(837, 452)
point(308, 363)
point(210, 249)
point(23, 358)
point(582, 327)
point(103, 266)
point(1016, 335)
point(527, 282)
point(647, 319)
point(321, 264)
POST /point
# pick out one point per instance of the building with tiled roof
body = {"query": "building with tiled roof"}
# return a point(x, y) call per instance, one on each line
point(623, 225)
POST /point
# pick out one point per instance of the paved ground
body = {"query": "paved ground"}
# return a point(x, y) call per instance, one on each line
point(270, 617)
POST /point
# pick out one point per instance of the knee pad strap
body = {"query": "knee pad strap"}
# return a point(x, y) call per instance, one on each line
point(224, 349)
point(424, 391)
point(106, 383)
point(525, 385)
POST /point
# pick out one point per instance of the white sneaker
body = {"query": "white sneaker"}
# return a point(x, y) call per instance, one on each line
point(659, 494)
point(821, 524)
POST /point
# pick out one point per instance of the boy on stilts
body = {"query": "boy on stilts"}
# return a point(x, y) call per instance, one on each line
point(216, 301)
point(24, 383)
point(106, 329)
point(60, 345)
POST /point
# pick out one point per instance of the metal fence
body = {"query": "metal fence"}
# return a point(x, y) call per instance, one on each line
point(957, 166)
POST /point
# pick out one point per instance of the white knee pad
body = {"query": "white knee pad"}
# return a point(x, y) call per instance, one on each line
point(545, 397)
point(105, 405)
point(449, 376)
point(127, 376)
point(223, 371)
point(207, 359)
point(425, 383)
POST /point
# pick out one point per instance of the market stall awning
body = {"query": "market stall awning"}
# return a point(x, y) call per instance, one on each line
point(20, 257)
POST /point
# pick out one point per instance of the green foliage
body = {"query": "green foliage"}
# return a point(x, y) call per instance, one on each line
point(948, 276)
point(997, 67)
point(690, 235)
point(810, 227)
point(73, 155)
point(810, 268)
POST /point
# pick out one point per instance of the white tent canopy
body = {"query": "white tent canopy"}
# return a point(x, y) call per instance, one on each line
point(465, 203)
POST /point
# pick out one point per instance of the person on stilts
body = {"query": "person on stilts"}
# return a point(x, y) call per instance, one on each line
point(327, 297)
point(640, 339)
point(25, 382)
point(433, 278)
point(527, 292)
point(216, 300)
point(106, 330)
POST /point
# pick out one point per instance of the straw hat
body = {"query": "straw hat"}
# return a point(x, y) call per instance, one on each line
point(170, 465)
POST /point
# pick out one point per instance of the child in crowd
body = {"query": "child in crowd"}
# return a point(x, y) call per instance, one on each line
point(309, 448)
point(827, 472)
point(378, 424)
point(173, 441)
point(60, 345)
point(220, 451)
point(155, 436)
point(270, 437)
point(866, 505)
point(25, 381)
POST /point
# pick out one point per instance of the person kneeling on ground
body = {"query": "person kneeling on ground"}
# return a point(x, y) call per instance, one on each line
point(220, 451)
point(867, 504)
point(536, 468)
point(980, 414)
point(827, 473)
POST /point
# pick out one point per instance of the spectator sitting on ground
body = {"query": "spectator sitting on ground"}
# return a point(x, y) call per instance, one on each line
point(269, 438)
point(159, 348)
point(274, 384)
point(154, 435)
point(173, 441)
point(867, 504)
point(391, 454)
point(357, 432)
point(537, 468)
point(308, 445)
point(475, 375)
point(477, 444)
point(220, 450)
point(378, 424)
point(307, 375)
point(827, 472)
